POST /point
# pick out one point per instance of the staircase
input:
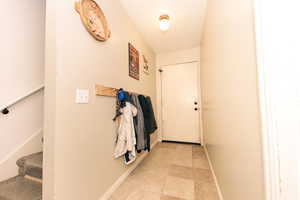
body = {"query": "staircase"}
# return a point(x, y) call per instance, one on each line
point(28, 184)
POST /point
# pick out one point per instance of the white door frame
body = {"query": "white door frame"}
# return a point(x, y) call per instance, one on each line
point(269, 127)
point(159, 100)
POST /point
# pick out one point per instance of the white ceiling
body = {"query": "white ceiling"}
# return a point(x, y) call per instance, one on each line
point(186, 17)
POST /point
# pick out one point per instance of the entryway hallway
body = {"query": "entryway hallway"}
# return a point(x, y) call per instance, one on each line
point(170, 172)
point(220, 73)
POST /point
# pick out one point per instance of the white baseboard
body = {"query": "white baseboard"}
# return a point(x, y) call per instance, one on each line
point(214, 175)
point(123, 177)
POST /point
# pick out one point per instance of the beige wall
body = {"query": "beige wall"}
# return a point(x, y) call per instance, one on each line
point(178, 57)
point(22, 55)
point(22, 70)
point(80, 139)
point(230, 99)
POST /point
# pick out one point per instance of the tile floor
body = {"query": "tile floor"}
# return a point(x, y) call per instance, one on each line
point(170, 172)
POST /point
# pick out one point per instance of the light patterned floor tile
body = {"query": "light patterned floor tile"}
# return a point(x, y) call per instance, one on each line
point(205, 191)
point(198, 152)
point(200, 163)
point(183, 158)
point(144, 195)
point(181, 172)
point(149, 181)
point(165, 197)
point(170, 172)
point(184, 147)
point(128, 188)
point(202, 175)
point(167, 145)
point(180, 188)
point(138, 195)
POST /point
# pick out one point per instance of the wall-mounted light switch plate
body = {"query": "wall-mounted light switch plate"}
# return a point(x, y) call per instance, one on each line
point(82, 96)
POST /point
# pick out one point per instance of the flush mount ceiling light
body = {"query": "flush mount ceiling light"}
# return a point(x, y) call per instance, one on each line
point(164, 22)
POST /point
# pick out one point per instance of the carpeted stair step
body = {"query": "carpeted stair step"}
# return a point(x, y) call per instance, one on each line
point(31, 165)
point(20, 188)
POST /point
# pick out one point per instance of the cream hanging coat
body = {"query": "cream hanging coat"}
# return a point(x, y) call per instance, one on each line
point(126, 134)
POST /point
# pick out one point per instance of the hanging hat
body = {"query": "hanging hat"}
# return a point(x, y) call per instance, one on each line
point(121, 95)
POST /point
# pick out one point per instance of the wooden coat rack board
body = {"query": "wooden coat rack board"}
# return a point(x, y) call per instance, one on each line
point(106, 91)
point(101, 90)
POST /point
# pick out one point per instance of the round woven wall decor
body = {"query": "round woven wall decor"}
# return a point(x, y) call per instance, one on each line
point(93, 19)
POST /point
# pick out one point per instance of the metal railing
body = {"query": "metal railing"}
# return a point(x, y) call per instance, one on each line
point(5, 109)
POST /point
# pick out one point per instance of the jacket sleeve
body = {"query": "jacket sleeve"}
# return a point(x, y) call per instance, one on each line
point(133, 110)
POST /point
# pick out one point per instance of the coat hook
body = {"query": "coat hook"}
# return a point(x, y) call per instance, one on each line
point(5, 111)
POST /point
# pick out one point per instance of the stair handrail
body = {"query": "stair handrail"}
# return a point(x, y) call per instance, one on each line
point(4, 109)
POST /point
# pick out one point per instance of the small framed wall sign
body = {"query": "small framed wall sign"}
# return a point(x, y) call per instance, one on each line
point(134, 62)
point(146, 65)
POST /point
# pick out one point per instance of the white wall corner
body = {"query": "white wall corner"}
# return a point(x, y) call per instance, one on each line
point(158, 104)
point(214, 175)
point(268, 123)
point(123, 177)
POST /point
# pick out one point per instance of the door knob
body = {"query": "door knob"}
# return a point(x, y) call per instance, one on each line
point(196, 103)
point(196, 109)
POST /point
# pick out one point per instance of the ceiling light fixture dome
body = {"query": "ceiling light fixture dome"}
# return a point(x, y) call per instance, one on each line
point(164, 22)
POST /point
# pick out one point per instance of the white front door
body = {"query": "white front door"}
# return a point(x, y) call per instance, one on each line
point(180, 103)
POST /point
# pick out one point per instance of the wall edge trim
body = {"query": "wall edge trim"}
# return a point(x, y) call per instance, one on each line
point(214, 174)
point(269, 129)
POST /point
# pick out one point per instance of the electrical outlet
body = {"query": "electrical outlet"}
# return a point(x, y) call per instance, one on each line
point(82, 96)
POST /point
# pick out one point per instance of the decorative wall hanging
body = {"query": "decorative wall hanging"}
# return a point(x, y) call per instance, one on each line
point(146, 66)
point(93, 19)
point(134, 62)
